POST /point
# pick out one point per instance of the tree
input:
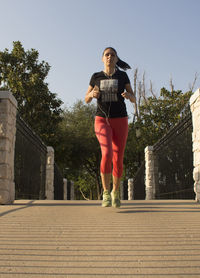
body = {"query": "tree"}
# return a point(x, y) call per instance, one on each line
point(155, 116)
point(81, 151)
point(23, 74)
point(158, 115)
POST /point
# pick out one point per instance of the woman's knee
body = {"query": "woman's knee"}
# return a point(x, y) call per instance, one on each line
point(117, 166)
point(107, 156)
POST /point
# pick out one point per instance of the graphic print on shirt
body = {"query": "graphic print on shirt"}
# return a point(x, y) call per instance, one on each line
point(109, 89)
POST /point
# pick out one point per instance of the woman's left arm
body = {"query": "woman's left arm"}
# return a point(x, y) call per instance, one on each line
point(129, 94)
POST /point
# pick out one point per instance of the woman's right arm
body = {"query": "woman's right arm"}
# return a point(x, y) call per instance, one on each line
point(89, 94)
point(92, 93)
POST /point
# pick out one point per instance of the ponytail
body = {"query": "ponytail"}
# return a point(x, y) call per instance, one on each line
point(123, 65)
point(120, 64)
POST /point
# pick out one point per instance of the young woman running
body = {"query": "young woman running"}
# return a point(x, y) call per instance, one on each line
point(110, 87)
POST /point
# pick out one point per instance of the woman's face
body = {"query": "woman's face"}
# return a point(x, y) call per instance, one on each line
point(109, 57)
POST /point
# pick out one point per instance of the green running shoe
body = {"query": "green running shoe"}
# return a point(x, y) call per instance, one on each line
point(115, 199)
point(106, 199)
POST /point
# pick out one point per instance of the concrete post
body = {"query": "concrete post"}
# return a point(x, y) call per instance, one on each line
point(8, 109)
point(151, 173)
point(49, 188)
point(130, 189)
point(122, 190)
point(195, 109)
point(64, 189)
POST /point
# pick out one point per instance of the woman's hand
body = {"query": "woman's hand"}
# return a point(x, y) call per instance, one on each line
point(126, 95)
point(92, 93)
point(129, 96)
point(95, 92)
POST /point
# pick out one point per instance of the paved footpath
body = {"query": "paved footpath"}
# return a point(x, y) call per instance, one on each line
point(74, 239)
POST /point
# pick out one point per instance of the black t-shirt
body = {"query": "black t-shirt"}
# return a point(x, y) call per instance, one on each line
point(110, 103)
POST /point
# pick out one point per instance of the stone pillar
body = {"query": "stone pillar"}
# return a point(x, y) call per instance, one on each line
point(8, 109)
point(130, 189)
point(64, 189)
point(72, 191)
point(151, 173)
point(49, 188)
point(121, 190)
point(195, 109)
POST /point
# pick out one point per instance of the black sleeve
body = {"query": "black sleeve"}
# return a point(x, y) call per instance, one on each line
point(92, 81)
point(126, 79)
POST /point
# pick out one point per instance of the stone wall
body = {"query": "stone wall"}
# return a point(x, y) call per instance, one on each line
point(8, 109)
point(151, 170)
point(195, 109)
point(130, 189)
point(49, 188)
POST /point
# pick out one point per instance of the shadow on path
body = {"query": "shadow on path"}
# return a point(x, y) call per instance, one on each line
point(127, 206)
point(15, 209)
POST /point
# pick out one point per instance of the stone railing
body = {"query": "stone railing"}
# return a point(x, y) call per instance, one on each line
point(8, 111)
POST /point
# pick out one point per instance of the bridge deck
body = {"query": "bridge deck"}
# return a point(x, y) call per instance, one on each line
point(82, 239)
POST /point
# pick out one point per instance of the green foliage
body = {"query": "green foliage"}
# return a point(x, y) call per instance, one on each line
point(134, 152)
point(158, 115)
point(86, 187)
point(23, 75)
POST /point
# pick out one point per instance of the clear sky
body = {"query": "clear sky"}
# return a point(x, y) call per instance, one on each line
point(160, 37)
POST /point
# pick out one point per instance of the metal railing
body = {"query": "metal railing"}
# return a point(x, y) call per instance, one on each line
point(139, 183)
point(58, 184)
point(30, 163)
point(69, 190)
point(175, 162)
point(174, 159)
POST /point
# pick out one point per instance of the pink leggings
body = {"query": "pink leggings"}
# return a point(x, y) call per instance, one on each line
point(112, 134)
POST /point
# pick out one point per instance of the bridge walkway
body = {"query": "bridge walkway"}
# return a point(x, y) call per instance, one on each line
point(73, 239)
